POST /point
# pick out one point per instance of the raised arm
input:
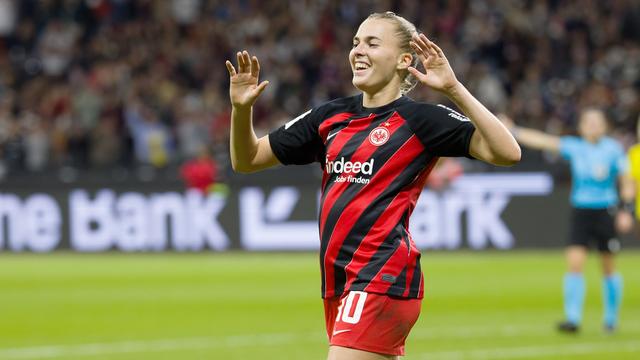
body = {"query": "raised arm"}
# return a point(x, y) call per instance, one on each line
point(248, 153)
point(531, 138)
point(491, 142)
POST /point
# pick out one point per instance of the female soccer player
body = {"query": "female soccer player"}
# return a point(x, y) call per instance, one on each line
point(597, 163)
point(376, 149)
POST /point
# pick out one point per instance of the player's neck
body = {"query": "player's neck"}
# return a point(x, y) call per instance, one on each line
point(592, 140)
point(381, 98)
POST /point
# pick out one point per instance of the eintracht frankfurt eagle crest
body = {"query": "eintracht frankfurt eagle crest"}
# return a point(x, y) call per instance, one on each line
point(379, 136)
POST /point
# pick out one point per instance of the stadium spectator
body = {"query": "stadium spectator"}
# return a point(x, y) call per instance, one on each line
point(7, 17)
point(541, 61)
point(36, 143)
point(152, 140)
point(598, 164)
point(200, 172)
point(56, 46)
point(376, 149)
point(445, 171)
point(192, 129)
point(106, 144)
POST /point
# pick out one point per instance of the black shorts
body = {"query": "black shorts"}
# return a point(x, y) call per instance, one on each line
point(594, 225)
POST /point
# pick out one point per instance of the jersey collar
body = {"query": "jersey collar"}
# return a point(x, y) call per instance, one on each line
point(384, 108)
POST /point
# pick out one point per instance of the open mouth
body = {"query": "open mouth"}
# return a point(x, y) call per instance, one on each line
point(360, 67)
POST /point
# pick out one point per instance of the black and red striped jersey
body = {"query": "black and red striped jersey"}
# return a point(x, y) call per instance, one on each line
point(375, 163)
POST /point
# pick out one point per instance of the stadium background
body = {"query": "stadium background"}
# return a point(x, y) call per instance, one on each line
point(102, 103)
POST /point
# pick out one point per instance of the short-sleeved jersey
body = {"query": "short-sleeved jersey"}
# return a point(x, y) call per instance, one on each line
point(375, 163)
point(594, 169)
point(634, 169)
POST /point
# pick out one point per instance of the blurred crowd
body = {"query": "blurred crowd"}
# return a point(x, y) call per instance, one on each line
point(95, 84)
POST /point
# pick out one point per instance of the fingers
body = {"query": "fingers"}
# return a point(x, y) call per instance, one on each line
point(261, 87)
point(246, 64)
point(421, 54)
point(424, 46)
point(247, 60)
point(423, 41)
point(230, 68)
point(415, 72)
point(242, 67)
point(437, 48)
point(433, 48)
point(420, 51)
point(255, 67)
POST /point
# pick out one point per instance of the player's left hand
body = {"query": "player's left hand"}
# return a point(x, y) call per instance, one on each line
point(438, 73)
point(624, 222)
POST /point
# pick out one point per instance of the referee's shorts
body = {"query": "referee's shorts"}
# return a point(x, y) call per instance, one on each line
point(594, 226)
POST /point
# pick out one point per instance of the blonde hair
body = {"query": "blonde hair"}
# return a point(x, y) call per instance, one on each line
point(404, 31)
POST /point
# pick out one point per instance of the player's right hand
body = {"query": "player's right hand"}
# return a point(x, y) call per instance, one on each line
point(243, 84)
point(624, 222)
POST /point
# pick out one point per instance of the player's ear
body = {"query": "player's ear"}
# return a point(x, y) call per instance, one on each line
point(404, 61)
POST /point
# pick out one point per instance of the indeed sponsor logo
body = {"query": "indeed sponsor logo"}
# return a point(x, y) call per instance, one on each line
point(353, 167)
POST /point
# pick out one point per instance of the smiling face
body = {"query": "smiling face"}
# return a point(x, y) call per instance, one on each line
point(593, 125)
point(377, 61)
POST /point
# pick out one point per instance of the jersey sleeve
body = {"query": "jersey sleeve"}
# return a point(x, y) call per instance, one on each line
point(621, 160)
point(569, 145)
point(443, 131)
point(298, 142)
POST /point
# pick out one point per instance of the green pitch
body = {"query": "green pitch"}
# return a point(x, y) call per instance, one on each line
point(267, 306)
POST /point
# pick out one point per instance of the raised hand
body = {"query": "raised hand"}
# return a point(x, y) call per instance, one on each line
point(243, 84)
point(438, 74)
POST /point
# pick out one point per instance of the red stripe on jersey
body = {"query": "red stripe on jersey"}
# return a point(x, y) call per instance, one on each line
point(393, 266)
point(352, 211)
point(326, 125)
point(374, 238)
point(361, 154)
point(387, 220)
point(414, 194)
point(420, 182)
point(411, 266)
point(412, 262)
point(341, 138)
